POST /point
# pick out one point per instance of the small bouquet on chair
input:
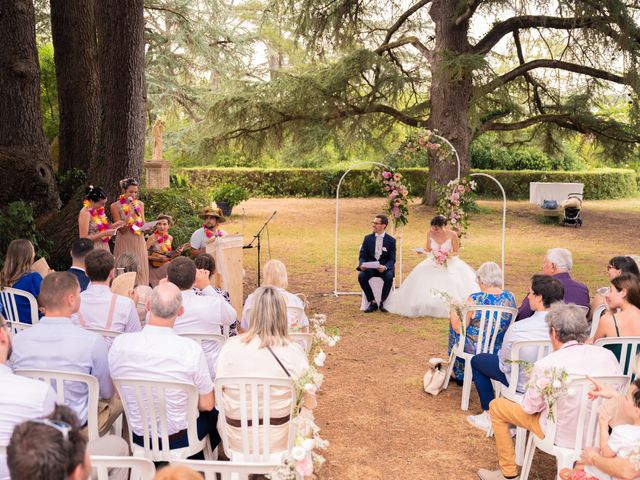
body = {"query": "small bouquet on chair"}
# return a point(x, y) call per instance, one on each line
point(440, 256)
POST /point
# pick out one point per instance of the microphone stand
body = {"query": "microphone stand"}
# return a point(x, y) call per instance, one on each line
point(258, 236)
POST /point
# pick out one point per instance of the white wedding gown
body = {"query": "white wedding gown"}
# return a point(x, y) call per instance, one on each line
point(414, 298)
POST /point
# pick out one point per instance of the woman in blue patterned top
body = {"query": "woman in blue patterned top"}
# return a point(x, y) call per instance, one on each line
point(489, 277)
point(17, 273)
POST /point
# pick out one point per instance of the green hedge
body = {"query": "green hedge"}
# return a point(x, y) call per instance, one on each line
point(307, 182)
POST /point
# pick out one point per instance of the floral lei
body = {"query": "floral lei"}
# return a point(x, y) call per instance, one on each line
point(99, 218)
point(134, 222)
point(163, 241)
point(209, 233)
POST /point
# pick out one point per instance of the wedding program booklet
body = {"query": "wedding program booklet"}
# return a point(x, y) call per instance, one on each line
point(371, 264)
point(123, 283)
point(42, 267)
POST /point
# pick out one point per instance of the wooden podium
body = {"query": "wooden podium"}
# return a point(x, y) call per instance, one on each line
point(227, 252)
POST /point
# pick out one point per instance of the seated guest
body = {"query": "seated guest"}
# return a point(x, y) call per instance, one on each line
point(568, 329)
point(205, 261)
point(558, 262)
point(177, 473)
point(56, 448)
point(617, 266)
point(79, 250)
point(544, 292)
point(128, 262)
point(100, 308)
point(275, 275)
point(265, 350)
point(489, 277)
point(623, 318)
point(17, 273)
point(205, 313)
point(21, 398)
point(158, 353)
point(55, 343)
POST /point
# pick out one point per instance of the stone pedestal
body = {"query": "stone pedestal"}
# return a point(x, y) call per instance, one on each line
point(156, 174)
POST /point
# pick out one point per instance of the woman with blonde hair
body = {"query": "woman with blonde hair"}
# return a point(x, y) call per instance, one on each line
point(275, 275)
point(130, 211)
point(265, 350)
point(17, 273)
point(177, 473)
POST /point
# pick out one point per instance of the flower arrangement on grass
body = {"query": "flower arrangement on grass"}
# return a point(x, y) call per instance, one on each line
point(454, 201)
point(303, 459)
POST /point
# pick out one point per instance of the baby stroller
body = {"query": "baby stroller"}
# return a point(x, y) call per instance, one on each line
point(572, 206)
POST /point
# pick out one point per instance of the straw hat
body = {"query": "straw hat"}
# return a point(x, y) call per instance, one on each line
point(213, 211)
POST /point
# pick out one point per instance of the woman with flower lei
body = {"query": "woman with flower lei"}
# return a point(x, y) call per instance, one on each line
point(130, 238)
point(160, 248)
point(92, 219)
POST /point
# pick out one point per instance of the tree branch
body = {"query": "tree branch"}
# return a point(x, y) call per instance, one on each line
point(536, 94)
point(404, 41)
point(403, 18)
point(560, 119)
point(548, 63)
point(164, 9)
point(501, 29)
point(472, 6)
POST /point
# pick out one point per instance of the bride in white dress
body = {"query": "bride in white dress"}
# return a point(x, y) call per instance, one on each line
point(414, 298)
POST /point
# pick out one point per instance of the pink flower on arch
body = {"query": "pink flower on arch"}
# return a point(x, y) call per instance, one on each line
point(305, 466)
point(455, 196)
point(387, 174)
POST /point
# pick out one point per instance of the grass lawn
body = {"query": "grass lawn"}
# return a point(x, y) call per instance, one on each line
point(372, 409)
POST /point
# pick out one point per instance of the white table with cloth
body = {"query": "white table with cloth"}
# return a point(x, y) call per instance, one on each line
point(540, 191)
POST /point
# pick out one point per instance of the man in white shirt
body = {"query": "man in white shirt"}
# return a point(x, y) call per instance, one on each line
point(208, 312)
point(545, 291)
point(21, 398)
point(55, 343)
point(157, 353)
point(209, 232)
point(100, 308)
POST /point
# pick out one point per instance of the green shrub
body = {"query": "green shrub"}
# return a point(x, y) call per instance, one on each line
point(230, 193)
point(487, 155)
point(69, 183)
point(598, 184)
point(16, 221)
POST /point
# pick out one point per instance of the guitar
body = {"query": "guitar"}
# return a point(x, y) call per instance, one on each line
point(157, 259)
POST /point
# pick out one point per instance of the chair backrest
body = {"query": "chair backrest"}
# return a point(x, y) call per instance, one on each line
point(10, 308)
point(207, 337)
point(57, 378)
point(294, 313)
point(105, 333)
point(302, 297)
point(489, 326)
point(587, 423)
point(584, 309)
point(541, 348)
point(304, 339)
point(149, 398)
point(17, 327)
point(255, 402)
point(139, 467)
point(227, 470)
point(595, 320)
point(629, 348)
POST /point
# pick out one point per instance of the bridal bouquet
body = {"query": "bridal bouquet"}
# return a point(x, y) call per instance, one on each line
point(441, 256)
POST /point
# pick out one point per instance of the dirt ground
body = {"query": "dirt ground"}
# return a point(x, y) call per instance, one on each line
point(372, 409)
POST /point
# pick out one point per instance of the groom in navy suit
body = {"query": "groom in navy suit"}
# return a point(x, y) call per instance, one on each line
point(377, 246)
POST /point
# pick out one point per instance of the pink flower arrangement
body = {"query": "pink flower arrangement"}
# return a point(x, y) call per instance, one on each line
point(304, 467)
point(397, 196)
point(441, 256)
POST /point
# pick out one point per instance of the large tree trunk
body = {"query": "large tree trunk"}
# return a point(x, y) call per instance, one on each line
point(73, 28)
point(450, 98)
point(123, 93)
point(25, 160)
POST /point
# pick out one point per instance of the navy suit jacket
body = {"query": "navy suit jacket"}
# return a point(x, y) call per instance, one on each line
point(83, 280)
point(368, 249)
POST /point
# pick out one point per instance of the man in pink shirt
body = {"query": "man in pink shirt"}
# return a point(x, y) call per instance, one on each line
point(568, 329)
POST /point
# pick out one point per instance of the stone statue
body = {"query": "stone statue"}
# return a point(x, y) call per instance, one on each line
point(157, 139)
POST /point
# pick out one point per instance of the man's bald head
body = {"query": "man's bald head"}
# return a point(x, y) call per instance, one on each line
point(165, 303)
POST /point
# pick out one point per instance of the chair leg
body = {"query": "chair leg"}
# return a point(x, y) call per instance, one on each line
point(452, 358)
point(521, 442)
point(466, 386)
point(528, 459)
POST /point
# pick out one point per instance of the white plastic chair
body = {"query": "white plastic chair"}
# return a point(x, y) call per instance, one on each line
point(227, 470)
point(57, 378)
point(584, 309)
point(17, 327)
point(377, 284)
point(305, 339)
point(150, 398)
point(627, 358)
point(543, 348)
point(595, 320)
point(107, 334)
point(206, 337)
point(140, 468)
point(490, 319)
point(10, 308)
point(586, 426)
point(255, 405)
point(294, 314)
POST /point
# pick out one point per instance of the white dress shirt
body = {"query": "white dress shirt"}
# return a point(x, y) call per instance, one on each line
point(296, 319)
point(157, 353)
point(57, 344)
point(21, 399)
point(378, 248)
point(95, 307)
point(205, 313)
point(533, 328)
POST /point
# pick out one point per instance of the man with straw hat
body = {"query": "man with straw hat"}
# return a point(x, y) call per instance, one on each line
point(209, 232)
